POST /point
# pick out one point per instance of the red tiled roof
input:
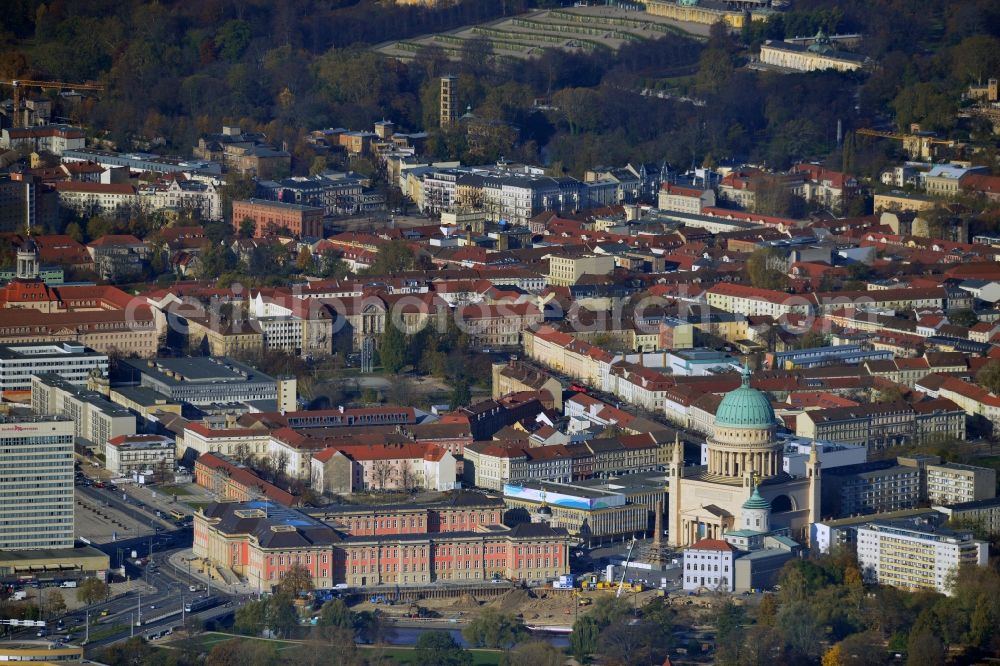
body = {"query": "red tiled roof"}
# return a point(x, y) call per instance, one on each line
point(711, 544)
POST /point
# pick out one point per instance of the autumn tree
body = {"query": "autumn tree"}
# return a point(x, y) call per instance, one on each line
point(54, 602)
point(767, 269)
point(296, 581)
point(91, 590)
point(989, 377)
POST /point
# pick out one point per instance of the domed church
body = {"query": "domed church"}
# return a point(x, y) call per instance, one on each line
point(745, 468)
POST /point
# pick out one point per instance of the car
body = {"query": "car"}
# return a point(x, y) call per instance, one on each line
point(192, 588)
point(41, 633)
point(104, 613)
point(152, 606)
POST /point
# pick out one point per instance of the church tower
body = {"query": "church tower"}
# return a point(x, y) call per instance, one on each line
point(674, 493)
point(27, 261)
point(755, 514)
point(815, 491)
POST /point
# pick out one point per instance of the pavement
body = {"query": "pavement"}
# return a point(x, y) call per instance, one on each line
point(192, 566)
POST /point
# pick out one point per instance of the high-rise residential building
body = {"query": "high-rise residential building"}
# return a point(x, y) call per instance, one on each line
point(36, 483)
point(449, 100)
point(912, 555)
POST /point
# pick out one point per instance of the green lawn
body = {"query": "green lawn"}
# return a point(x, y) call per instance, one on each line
point(104, 633)
point(173, 490)
point(401, 655)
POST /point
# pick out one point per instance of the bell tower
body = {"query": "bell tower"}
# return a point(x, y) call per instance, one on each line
point(27, 261)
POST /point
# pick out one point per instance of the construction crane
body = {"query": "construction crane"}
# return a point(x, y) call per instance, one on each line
point(915, 144)
point(628, 558)
point(19, 84)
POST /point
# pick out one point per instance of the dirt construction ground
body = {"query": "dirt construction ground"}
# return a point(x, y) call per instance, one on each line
point(537, 606)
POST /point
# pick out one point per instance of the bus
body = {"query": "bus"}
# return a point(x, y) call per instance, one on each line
point(177, 515)
point(200, 604)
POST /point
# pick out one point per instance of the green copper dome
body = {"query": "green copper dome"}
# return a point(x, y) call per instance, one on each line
point(755, 501)
point(745, 408)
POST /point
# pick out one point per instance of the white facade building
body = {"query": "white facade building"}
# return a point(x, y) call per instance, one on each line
point(911, 556)
point(708, 564)
point(140, 454)
point(71, 361)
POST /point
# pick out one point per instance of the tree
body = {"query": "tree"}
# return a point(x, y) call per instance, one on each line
point(533, 653)
point(585, 638)
point(335, 613)
point(833, 656)
point(437, 648)
point(243, 653)
point(251, 618)
point(924, 649)
point(989, 377)
point(393, 257)
point(295, 581)
point(281, 615)
point(460, 394)
point(609, 609)
point(132, 652)
point(248, 228)
point(715, 68)
point(728, 619)
point(74, 231)
point(767, 611)
point(54, 602)
point(493, 629)
point(976, 59)
point(304, 262)
point(318, 166)
point(766, 268)
point(966, 318)
point(233, 39)
point(91, 590)
point(811, 339)
point(392, 347)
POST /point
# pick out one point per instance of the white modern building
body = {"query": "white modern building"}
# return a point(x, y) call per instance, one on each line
point(915, 556)
point(36, 483)
point(71, 361)
point(139, 454)
point(93, 418)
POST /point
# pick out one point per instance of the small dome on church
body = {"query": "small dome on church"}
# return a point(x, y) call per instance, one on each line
point(544, 510)
point(756, 501)
point(745, 408)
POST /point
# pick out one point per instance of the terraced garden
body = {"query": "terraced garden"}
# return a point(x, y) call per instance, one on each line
point(573, 29)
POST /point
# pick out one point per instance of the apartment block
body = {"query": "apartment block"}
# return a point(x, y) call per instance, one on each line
point(36, 483)
point(953, 483)
point(874, 487)
point(914, 556)
point(565, 271)
point(94, 418)
point(978, 515)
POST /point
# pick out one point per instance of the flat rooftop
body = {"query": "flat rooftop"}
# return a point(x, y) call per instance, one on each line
point(200, 370)
point(32, 350)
